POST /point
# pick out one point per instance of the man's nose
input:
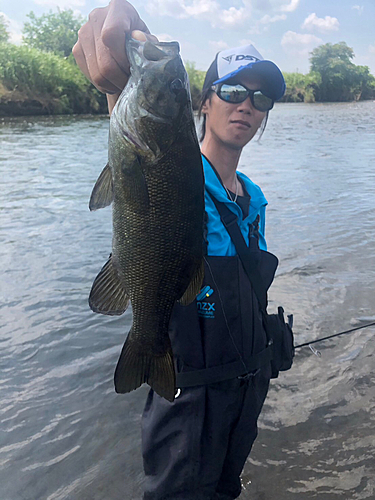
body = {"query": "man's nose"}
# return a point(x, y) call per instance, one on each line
point(246, 106)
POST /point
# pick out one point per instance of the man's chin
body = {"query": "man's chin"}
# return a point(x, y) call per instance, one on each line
point(237, 143)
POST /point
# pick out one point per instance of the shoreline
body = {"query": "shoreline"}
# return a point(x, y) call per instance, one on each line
point(18, 105)
point(14, 103)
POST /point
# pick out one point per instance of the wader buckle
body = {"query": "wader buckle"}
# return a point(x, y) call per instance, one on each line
point(249, 375)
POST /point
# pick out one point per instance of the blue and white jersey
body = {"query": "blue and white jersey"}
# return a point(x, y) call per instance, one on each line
point(219, 242)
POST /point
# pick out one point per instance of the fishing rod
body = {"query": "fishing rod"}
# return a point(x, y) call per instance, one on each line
point(317, 353)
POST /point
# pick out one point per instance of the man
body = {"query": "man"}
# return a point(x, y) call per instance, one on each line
point(195, 448)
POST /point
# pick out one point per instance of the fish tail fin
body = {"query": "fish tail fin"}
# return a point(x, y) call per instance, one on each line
point(136, 367)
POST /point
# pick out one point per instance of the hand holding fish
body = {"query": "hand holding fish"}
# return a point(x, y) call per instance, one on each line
point(100, 50)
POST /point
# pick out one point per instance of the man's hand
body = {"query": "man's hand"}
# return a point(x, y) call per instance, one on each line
point(100, 49)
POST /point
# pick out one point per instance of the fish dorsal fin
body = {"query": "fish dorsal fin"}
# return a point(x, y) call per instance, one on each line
point(102, 194)
point(108, 295)
point(194, 287)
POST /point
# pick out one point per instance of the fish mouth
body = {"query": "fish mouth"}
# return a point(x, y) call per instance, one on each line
point(242, 122)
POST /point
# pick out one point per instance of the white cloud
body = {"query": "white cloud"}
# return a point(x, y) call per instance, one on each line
point(359, 8)
point(371, 49)
point(323, 25)
point(164, 37)
point(63, 4)
point(14, 29)
point(275, 5)
point(246, 41)
point(173, 8)
point(232, 17)
point(272, 19)
point(262, 4)
point(257, 29)
point(291, 7)
point(219, 45)
point(208, 10)
point(200, 7)
point(300, 44)
point(264, 23)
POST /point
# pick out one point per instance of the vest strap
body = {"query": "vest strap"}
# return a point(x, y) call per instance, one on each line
point(223, 372)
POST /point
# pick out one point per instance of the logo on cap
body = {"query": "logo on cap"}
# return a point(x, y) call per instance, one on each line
point(240, 57)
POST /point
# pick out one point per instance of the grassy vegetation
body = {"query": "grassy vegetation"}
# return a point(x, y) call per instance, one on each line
point(196, 80)
point(301, 88)
point(36, 82)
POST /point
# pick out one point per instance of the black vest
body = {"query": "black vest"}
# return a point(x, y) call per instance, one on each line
point(221, 334)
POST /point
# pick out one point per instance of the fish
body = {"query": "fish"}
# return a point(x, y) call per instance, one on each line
point(155, 183)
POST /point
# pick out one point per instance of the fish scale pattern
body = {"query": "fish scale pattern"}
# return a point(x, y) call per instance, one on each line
point(162, 250)
point(158, 210)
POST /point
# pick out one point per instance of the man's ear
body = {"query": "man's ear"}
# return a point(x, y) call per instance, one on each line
point(205, 107)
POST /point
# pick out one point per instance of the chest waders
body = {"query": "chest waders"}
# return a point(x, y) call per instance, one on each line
point(195, 448)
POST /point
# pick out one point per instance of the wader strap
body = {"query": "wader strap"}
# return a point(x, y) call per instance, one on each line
point(223, 372)
point(229, 219)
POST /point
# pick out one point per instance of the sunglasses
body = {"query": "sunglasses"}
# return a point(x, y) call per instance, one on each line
point(238, 93)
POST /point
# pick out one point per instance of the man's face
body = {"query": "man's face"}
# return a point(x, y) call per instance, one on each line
point(233, 125)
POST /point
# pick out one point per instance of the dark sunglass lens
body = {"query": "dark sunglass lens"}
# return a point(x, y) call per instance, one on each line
point(233, 93)
point(262, 102)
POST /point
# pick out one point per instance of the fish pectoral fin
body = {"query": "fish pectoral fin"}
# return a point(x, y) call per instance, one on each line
point(102, 194)
point(136, 367)
point(108, 295)
point(194, 287)
point(134, 186)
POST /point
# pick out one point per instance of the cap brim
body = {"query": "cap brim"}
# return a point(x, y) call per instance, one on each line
point(271, 78)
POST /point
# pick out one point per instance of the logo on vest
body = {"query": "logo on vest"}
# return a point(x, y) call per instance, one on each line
point(205, 309)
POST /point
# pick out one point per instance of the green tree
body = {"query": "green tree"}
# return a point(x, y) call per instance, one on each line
point(4, 34)
point(196, 80)
point(301, 88)
point(341, 79)
point(53, 32)
point(367, 90)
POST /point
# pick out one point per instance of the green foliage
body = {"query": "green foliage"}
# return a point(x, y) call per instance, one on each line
point(333, 77)
point(55, 83)
point(53, 32)
point(341, 79)
point(4, 34)
point(196, 79)
point(301, 88)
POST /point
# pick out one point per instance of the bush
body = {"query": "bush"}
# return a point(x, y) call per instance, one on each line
point(56, 83)
point(301, 88)
point(196, 79)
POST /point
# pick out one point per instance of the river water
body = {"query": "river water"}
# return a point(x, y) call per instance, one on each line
point(65, 434)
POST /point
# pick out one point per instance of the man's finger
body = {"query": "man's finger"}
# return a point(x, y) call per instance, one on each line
point(87, 45)
point(79, 56)
point(111, 101)
point(107, 65)
point(121, 18)
point(142, 37)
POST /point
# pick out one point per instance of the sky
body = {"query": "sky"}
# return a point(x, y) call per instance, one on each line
point(284, 31)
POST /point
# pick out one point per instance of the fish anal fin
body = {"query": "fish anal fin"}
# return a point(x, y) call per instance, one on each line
point(108, 295)
point(136, 367)
point(102, 194)
point(194, 287)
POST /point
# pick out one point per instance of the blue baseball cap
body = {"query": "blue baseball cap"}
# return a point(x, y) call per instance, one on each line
point(229, 63)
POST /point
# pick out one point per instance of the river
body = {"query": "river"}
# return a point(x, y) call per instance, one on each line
point(65, 434)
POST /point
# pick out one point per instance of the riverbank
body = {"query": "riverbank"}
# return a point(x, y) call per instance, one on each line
point(33, 82)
